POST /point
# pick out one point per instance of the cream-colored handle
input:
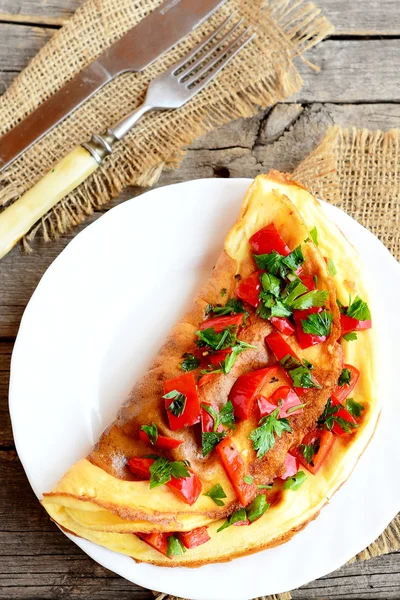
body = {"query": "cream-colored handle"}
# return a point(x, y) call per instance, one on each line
point(19, 217)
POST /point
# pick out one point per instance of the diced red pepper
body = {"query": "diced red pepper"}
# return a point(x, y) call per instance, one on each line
point(235, 468)
point(206, 378)
point(162, 442)
point(306, 339)
point(185, 384)
point(268, 240)
point(221, 323)
point(289, 399)
point(140, 466)
point(249, 289)
point(283, 325)
point(158, 541)
point(308, 281)
point(341, 392)
point(349, 324)
point(291, 466)
point(216, 358)
point(279, 346)
point(265, 406)
point(241, 523)
point(194, 538)
point(188, 489)
point(344, 414)
point(207, 422)
point(325, 440)
point(245, 389)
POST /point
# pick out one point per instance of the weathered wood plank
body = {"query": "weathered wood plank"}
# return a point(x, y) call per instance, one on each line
point(6, 437)
point(379, 17)
point(350, 71)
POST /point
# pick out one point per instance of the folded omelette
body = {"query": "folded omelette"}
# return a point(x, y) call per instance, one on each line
point(255, 410)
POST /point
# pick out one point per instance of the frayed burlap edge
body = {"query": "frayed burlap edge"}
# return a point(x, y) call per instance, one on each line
point(261, 75)
point(354, 168)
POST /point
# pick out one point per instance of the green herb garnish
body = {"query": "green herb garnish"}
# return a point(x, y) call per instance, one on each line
point(329, 418)
point(319, 324)
point(350, 337)
point(331, 267)
point(211, 439)
point(302, 378)
point(190, 362)
point(295, 482)
point(175, 547)
point(233, 306)
point(216, 494)
point(313, 298)
point(314, 235)
point(309, 451)
point(236, 517)
point(344, 377)
point(359, 310)
point(263, 437)
point(354, 408)
point(248, 479)
point(162, 470)
point(152, 432)
point(179, 402)
point(257, 508)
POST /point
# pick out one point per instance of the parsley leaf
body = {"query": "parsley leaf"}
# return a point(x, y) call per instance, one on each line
point(263, 436)
point(280, 265)
point(295, 259)
point(236, 517)
point(329, 418)
point(151, 431)
point(175, 547)
point(318, 323)
point(309, 451)
point(314, 235)
point(271, 284)
point(293, 290)
point(265, 487)
point(227, 416)
point(358, 309)
point(301, 377)
point(257, 508)
point(289, 362)
point(210, 439)
point(248, 479)
point(216, 341)
point(354, 408)
point(179, 402)
point(313, 298)
point(190, 362)
point(350, 337)
point(295, 482)
point(331, 268)
point(216, 493)
point(345, 377)
point(232, 306)
point(162, 470)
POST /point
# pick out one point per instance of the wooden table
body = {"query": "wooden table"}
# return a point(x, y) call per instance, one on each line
point(359, 84)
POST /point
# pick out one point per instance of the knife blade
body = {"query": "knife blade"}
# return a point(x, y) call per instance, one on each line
point(137, 49)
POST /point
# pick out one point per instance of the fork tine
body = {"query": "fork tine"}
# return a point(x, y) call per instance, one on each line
point(200, 46)
point(224, 51)
point(204, 56)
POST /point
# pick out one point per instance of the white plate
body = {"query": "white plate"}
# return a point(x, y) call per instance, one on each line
point(94, 324)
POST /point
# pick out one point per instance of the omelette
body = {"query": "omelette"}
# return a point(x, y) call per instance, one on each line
point(255, 410)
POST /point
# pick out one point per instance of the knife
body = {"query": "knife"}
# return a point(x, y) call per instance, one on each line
point(136, 50)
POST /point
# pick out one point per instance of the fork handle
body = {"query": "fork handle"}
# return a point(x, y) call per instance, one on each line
point(71, 171)
point(19, 217)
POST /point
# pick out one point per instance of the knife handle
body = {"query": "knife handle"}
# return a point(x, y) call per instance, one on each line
point(21, 216)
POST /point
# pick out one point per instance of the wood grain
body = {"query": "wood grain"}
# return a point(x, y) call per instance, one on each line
point(381, 18)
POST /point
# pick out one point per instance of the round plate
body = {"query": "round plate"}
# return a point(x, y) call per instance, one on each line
point(94, 324)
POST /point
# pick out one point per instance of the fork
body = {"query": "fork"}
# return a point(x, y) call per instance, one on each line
point(170, 90)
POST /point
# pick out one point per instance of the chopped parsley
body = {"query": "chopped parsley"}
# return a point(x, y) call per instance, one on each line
point(313, 235)
point(319, 324)
point(263, 437)
point(190, 362)
point(257, 508)
point(350, 337)
point(331, 267)
point(289, 362)
point(233, 306)
point(216, 494)
point(293, 290)
point(313, 298)
point(302, 378)
point(248, 479)
point(354, 408)
point(216, 341)
point(295, 482)
point(265, 486)
point(236, 517)
point(308, 451)
point(175, 547)
point(152, 432)
point(279, 265)
point(359, 310)
point(211, 439)
point(344, 377)
point(223, 292)
point(271, 284)
point(224, 417)
point(329, 418)
point(178, 404)
point(294, 408)
point(162, 470)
